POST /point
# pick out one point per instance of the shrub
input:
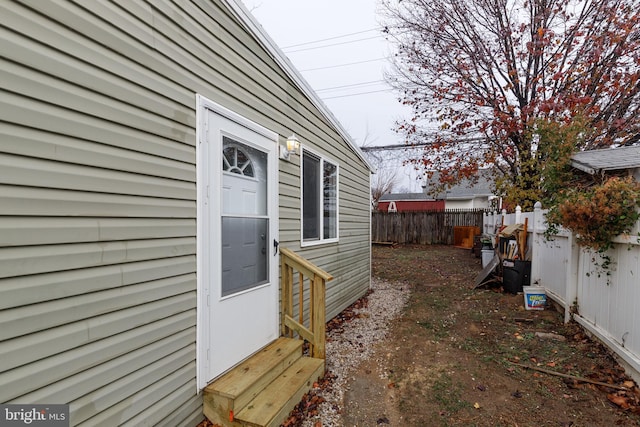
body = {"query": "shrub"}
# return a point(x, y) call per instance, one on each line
point(599, 213)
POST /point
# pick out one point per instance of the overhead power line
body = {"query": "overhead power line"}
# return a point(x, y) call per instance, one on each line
point(330, 38)
point(356, 94)
point(350, 85)
point(342, 65)
point(393, 147)
point(331, 44)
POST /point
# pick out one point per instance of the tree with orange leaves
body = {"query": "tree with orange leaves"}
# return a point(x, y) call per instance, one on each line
point(484, 76)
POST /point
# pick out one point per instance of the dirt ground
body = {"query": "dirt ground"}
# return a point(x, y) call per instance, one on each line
point(451, 357)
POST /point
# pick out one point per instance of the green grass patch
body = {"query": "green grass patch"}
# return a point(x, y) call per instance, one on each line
point(448, 395)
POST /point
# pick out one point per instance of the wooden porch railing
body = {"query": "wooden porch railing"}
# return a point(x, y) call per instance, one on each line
point(311, 282)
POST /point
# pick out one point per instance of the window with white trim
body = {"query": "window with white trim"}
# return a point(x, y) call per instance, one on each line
point(319, 199)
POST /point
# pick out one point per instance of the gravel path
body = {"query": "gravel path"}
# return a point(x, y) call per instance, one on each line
point(353, 343)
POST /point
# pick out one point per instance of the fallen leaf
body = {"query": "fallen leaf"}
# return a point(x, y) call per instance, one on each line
point(629, 384)
point(551, 364)
point(476, 405)
point(571, 383)
point(620, 401)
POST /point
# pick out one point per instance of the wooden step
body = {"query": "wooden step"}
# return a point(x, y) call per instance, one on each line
point(271, 407)
point(234, 390)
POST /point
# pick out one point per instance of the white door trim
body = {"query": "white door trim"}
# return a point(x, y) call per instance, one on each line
point(203, 193)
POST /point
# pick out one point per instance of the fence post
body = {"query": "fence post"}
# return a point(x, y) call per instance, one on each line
point(493, 227)
point(496, 226)
point(485, 222)
point(535, 244)
point(573, 261)
point(518, 215)
point(504, 217)
point(488, 222)
point(494, 220)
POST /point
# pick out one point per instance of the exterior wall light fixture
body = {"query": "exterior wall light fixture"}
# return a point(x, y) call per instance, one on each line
point(292, 147)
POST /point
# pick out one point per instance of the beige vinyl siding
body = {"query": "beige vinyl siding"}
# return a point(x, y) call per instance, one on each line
point(98, 197)
point(349, 259)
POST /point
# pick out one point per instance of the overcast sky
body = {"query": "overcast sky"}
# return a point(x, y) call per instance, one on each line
point(320, 38)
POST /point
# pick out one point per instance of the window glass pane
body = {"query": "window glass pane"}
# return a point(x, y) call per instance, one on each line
point(310, 197)
point(330, 200)
point(245, 261)
point(244, 186)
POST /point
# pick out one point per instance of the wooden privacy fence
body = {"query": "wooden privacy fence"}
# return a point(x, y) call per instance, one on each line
point(423, 228)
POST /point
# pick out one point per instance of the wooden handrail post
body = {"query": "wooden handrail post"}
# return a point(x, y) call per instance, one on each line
point(287, 296)
point(319, 315)
point(317, 278)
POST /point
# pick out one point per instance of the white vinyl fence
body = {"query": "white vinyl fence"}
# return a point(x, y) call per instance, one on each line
point(605, 301)
point(493, 221)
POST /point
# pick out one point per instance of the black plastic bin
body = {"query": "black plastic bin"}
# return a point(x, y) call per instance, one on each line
point(515, 274)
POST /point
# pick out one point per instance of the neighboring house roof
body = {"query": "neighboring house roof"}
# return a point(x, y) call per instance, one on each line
point(253, 26)
point(465, 190)
point(401, 197)
point(607, 159)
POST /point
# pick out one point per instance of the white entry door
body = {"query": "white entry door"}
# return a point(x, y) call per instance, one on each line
point(238, 259)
